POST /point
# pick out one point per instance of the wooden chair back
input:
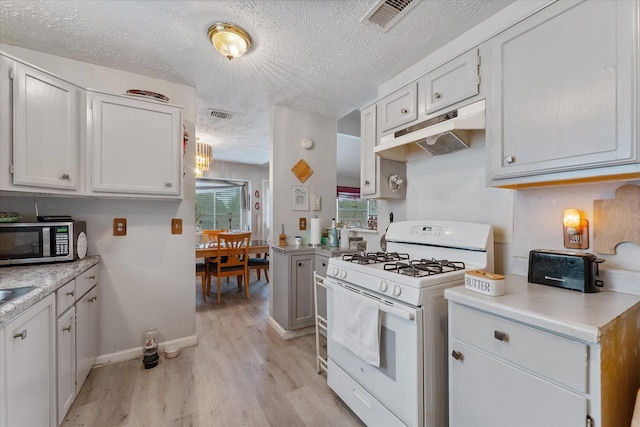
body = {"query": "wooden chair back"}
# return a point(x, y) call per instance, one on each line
point(233, 250)
point(211, 235)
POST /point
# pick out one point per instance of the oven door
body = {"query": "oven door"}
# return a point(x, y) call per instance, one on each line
point(397, 384)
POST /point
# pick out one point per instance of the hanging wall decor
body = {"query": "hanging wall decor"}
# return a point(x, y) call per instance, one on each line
point(302, 170)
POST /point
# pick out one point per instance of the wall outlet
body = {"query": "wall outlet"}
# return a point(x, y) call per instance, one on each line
point(302, 224)
point(176, 226)
point(119, 226)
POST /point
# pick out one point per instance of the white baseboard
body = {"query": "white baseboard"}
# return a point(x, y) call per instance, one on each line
point(136, 352)
point(287, 335)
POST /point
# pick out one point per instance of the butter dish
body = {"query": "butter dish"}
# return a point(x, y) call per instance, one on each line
point(486, 283)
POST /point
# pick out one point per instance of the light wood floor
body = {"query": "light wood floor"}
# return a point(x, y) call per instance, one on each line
point(241, 373)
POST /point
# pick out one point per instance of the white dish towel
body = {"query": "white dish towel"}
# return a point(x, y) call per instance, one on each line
point(356, 324)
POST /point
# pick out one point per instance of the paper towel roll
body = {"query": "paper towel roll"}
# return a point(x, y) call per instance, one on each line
point(316, 231)
point(344, 238)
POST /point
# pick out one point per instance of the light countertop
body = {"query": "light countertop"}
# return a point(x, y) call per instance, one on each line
point(47, 278)
point(319, 250)
point(574, 314)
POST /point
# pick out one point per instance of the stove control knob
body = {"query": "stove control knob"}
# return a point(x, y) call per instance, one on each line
point(397, 290)
point(343, 274)
point(335, 271)
point(384, 286)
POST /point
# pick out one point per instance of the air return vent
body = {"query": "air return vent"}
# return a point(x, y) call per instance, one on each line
point(219, 114)
point(386, 13)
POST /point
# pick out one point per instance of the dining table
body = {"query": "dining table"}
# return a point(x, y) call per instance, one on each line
point(210, 249)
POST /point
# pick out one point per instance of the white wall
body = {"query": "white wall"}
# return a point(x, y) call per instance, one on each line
point(288, 128)
point(255, 175)
point(147, 277)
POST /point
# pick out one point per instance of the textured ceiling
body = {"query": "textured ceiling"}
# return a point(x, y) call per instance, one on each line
point(313, 56)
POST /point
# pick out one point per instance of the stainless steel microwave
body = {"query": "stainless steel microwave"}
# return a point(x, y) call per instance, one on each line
point(40, 242)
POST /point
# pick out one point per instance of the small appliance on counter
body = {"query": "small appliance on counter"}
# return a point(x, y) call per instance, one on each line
point(563, 269)
point(41, 242)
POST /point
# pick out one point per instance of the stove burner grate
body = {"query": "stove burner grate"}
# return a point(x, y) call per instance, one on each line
point(374, 257)
point(424, 267)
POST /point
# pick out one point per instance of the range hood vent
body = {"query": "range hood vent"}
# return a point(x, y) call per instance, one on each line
point(439, 135)
point(386, 13)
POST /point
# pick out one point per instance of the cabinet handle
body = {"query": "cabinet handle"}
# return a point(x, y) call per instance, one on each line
point(299, 264)
point(70, 294)
point(437, 95)
point(67, 329)
point(91, 277)
point(65, 177)
point(366, 182)
point(500, 336)
point(456, 355)
point(168, 184)
point(21, 335)
point(93, 299)
point(404, 111)
point(509, 159)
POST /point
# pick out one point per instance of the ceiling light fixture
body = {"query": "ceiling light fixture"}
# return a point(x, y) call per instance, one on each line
point(204, 157)
point(230, 41)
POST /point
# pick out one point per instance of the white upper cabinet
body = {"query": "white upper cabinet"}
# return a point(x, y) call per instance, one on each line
point(136, 146)
point(454, 81)
point(398, 108)
point(564, 100)
point(45, 135)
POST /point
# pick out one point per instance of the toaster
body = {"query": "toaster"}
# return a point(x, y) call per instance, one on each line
point(570, 270)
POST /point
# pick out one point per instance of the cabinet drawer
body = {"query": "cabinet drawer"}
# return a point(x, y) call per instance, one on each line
point(86, 281)
point(399, 108)
point(65, 297)
point(557, 358)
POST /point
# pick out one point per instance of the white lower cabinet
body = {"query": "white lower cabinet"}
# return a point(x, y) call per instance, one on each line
point(504, 373)
point(87, 318)
point(66, 332)
point(27, 367)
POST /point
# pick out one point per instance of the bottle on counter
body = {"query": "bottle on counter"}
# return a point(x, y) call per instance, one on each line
point(344, 236)
point(333, 234)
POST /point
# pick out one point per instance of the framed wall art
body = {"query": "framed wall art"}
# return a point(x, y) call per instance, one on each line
point(299, 198)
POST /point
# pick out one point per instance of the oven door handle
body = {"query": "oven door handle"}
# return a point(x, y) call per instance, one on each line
point(396, 311)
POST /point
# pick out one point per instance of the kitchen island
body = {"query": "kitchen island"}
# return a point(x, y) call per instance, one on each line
point(571, 353)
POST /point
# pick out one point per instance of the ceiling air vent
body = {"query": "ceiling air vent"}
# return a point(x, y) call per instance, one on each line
point(386, 13)
point(219, 114)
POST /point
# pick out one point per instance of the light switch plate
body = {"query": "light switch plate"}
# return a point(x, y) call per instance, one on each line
point(302, 224)
point(119, 226)
point(316, 202)
point(176, 226)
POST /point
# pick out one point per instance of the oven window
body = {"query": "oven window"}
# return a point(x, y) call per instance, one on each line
point(18, 245)
point(388, 353)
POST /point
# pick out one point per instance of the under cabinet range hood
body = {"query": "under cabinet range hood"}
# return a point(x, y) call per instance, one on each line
point(443, 134)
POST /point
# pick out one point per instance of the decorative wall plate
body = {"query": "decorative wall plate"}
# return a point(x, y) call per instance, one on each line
point(148, 94)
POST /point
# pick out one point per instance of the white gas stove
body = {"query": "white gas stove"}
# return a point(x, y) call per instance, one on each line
point(409, 385)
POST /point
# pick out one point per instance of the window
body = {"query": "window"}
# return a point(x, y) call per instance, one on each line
point(354, 211)
point(219, 204)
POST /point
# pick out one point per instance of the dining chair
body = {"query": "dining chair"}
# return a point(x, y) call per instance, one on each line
point(232, 260)
point(201, 268)
point(260, 264)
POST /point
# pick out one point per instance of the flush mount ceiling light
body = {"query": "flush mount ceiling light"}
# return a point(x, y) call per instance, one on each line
point(230, 41)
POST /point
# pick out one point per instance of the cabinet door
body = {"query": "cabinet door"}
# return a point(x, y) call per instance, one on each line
point(564, 90)
point(45, 129)
point(30, 367)
point(66, 332)
point(368, 160)
point(136, 145)
point(399, 108)
point(301, 304)
point(455, 81)
point(374, 171)
point(484, 391)
point(87, 324)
